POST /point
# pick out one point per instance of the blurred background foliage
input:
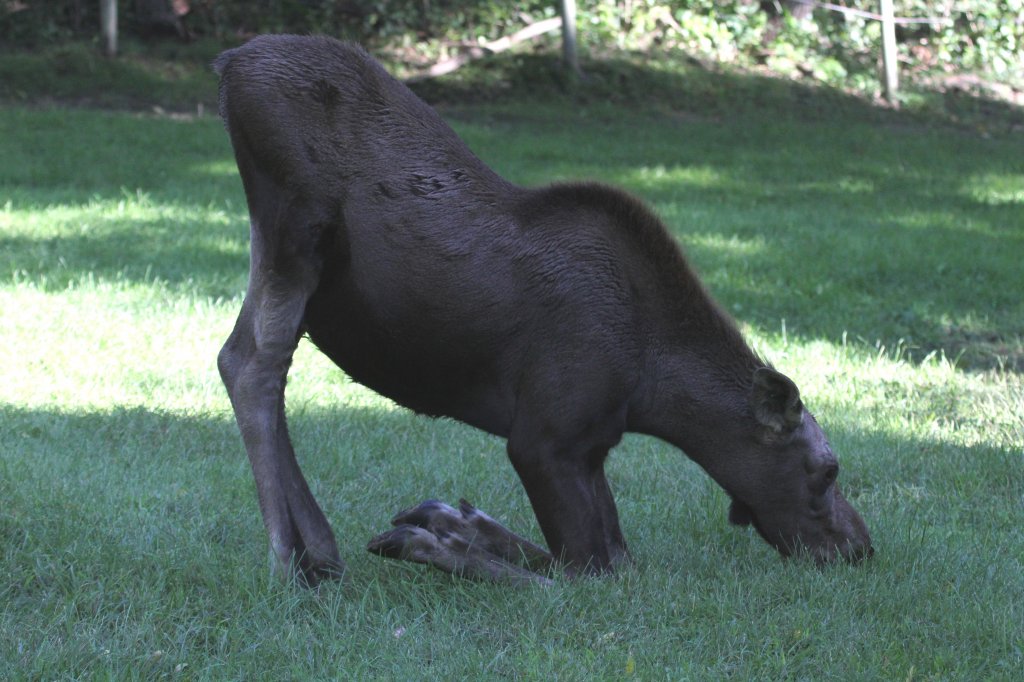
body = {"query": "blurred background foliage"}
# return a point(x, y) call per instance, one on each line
point(794, 38)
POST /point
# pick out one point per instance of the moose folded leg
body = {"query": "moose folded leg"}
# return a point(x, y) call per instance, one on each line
point(465, 542)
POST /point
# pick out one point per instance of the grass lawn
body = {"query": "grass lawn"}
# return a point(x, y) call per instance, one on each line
point(878, 263)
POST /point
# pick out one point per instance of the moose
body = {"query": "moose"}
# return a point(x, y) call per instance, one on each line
point(557, 317)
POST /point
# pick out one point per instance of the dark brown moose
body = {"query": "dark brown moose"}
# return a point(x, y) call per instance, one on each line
point(558, 317)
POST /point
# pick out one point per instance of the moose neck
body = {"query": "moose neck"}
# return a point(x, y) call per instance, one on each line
point(698, 396)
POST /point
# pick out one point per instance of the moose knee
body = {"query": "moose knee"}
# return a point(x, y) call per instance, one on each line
point(536, 463)
point(228, 363)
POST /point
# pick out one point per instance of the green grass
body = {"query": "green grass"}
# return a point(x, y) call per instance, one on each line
point(878, 263)
point(153, 74)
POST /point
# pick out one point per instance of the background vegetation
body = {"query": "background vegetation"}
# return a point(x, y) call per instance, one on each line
point(790, 37)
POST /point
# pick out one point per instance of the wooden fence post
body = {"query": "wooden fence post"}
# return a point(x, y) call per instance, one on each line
point(889, 51)
point(108, 26)
point(567, 8)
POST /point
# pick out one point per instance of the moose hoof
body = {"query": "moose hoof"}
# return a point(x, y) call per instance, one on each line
point(465, 542)
point(307, 571)
point(407, 543)
point(315, 574)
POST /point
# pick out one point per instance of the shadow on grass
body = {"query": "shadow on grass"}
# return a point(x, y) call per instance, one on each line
point(144, 76)
point(134, 483)
point(137, 483)
point(130, 532)
point(648, 81)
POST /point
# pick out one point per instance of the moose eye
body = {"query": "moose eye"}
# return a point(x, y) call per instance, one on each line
point(820, 485)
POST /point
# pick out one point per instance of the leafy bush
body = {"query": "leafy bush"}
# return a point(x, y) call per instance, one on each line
point(838, 47)
point(986, 35)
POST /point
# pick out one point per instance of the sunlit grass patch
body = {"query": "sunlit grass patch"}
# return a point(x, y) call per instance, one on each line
point(996, 188)
point(677, 177)
point(125, 239)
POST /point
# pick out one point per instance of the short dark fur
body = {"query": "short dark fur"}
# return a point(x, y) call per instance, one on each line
point(557, 317)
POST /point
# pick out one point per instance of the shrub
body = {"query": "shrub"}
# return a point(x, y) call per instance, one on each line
point(981, 35)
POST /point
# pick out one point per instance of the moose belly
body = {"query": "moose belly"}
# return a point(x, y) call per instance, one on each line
point(415, 350)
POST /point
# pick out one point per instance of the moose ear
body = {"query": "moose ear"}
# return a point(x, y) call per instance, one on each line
point(775, 400)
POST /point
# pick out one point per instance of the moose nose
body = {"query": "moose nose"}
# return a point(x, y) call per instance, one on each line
point(856, 546)
point(850, 552)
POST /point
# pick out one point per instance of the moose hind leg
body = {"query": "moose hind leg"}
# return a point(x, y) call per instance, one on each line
point(254, 365)
point(464, 541)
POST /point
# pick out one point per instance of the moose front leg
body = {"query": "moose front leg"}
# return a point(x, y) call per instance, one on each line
point(254, 364)
point(577, 514)
point(464, 541)
point(254, 368)
point(572, 501)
